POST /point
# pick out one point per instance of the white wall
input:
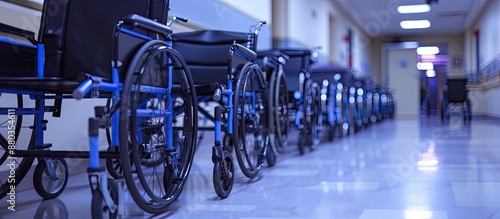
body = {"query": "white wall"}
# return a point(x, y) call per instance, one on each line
point(257, 9)
point(309, 25)
point(485, 96)
point(489, 27)
point(229, 15)
point(21, 17)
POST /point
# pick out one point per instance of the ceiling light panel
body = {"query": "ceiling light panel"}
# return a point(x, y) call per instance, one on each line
point(411, 9)
point(425, 66)
point(428, 50)
point(415, 24)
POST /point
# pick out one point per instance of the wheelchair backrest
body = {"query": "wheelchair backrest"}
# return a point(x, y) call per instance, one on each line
point(457, 91)
point(78, 34)
point(299, 61)
point(206, 52)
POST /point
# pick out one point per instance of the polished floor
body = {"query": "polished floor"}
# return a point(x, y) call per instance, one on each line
point(417, 168)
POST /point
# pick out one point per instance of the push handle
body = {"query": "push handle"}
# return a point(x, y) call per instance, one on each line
point(217, 94)
point(83, 89)
point(217, 88)
point(176, 19)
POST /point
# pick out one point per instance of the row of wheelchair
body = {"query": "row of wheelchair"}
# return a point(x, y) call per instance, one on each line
point(157, 85)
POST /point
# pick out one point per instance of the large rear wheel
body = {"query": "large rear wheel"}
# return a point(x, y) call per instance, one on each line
point(15, 133)
point(158, 122)
point(249, 119)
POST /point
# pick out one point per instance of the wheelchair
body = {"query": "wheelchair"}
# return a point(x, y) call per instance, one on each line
point(272, 63)
point(344, 97)
point(122, 54)
point(305, 97)
point(360, 105)
point(324, 77)
point(455, 100)
point(385, 102)
point(242, 111)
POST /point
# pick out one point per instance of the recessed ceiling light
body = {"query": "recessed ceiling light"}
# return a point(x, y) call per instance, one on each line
point(430, 73)
point(415, 24)
point(428, 50)
point(410, 9)
point(425, 66)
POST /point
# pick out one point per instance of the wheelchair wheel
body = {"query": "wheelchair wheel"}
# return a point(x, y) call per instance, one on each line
point(313, 120)
point(114, 166)
point(23, 138)
point(249, 119)
point(468, 109)
point(45, 185)
point(279, 104)
point(158, 92)
point(223, 175)
point(270, 152)
point(99, 209)
point(227, 143)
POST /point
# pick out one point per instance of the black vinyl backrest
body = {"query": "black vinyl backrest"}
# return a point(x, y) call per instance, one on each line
point(207, 53)
point(78, 34)
point(457, 91)
point(299, 61)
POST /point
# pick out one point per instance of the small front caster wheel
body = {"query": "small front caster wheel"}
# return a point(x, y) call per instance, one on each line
point(223, 177)
point(99, 207)
point(47, 186)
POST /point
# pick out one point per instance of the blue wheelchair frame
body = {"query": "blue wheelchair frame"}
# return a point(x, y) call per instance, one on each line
point(91, 88)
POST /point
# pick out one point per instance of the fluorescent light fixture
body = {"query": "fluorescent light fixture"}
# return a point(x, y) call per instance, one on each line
point(425, 66)
point(410, 9)
point(428, 50)
point(430, 73)
point(415, 24)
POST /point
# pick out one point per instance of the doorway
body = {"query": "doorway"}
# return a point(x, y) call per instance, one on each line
point(433, 82)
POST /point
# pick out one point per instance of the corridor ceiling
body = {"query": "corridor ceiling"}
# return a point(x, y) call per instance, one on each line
point(379, 17)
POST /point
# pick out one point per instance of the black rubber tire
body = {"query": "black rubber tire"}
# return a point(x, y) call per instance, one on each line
point(41, 178)
point(150, 64)
point(99, 209)
point(271, 153)
point(223, 181)
point(280, 110)
point(249, 127)
point(22, 164)
point(114, 166)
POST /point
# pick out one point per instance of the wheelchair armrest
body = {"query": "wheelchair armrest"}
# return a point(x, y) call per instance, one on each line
point(245, 52)
point(143, 22)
